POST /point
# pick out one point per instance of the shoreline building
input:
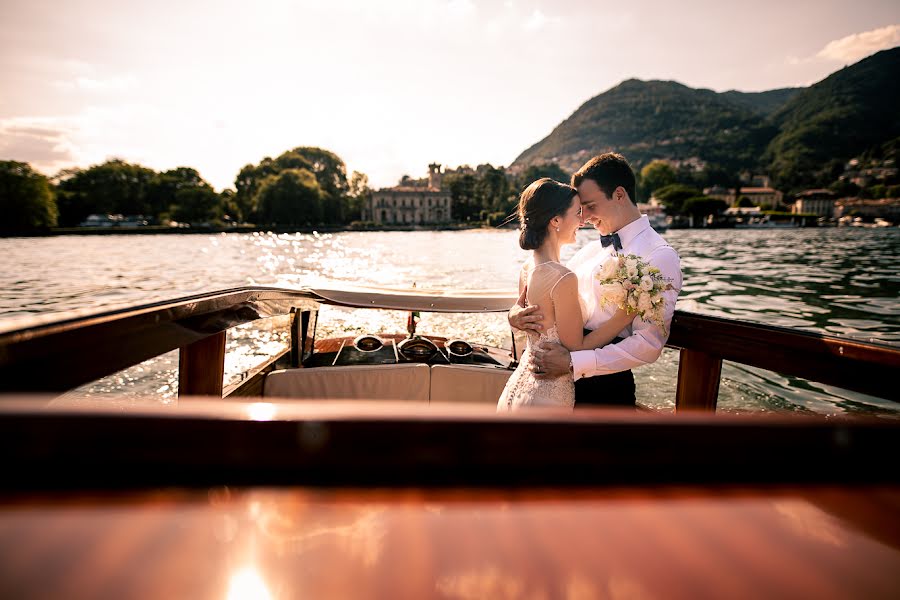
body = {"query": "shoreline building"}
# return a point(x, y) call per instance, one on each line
point(718, 192)
point(883, 208)
point(817, 202)
point(411, 204)
point(760, 196)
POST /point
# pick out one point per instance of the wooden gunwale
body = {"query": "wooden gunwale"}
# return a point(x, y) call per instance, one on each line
point(187, 502)
point(857, 365)
point(59, 355)
point(214, 442)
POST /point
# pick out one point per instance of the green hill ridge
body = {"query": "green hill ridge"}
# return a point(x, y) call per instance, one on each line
point(798, 135)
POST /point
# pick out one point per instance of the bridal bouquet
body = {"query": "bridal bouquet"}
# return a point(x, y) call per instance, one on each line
point(632, 284)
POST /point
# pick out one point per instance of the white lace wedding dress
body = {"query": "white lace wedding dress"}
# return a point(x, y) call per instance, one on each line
point(523, 388)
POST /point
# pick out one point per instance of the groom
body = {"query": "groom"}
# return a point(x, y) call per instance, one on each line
point(603, 376)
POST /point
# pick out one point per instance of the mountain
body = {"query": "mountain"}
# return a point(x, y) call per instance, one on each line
point(791, 132)
point(842, 116)
point(764, 103)
point(658, 119)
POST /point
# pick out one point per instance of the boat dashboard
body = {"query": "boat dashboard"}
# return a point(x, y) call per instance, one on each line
point(372, 349)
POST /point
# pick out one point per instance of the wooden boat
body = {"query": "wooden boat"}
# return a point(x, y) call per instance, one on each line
point(269, 488)
point(55, 354)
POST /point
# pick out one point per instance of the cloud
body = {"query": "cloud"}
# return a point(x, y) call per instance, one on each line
point(537, 21)
point(41, 144)
point(115, 83)
point(461, 8)
point(859, 45)
point(90, 84)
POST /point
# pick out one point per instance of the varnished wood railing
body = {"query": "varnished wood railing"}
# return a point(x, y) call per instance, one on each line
point(706, 341)
point(60, 355)
point(63, 354)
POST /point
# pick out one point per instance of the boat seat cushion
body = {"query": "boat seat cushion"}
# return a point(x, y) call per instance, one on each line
point(382, 382)
point(461, 383)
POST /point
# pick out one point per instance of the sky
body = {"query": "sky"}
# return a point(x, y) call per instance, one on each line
point(388, 85)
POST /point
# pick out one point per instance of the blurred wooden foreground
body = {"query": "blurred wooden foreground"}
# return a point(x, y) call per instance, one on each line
point(612, 542)
point(224, 499)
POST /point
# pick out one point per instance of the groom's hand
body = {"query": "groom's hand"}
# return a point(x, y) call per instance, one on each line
point(550, 360)
point(525, 318)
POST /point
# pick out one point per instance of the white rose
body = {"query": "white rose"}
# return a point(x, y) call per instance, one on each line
point(619, 296)
point(612, 293)
point(645, 304)
point(608, 269)
point(646, 283)
point(605, 293)
point(632, 271)
point(631, 263)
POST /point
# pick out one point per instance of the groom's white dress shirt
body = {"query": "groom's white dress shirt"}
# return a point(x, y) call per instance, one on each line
point(643, 341)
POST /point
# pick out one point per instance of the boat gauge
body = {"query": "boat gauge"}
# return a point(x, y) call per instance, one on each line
point(458, 348)
point(417, 349)
point(368, 343)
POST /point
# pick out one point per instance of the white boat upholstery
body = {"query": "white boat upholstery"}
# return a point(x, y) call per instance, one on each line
point(461, 383)
point(406, 382)
point(382, 382)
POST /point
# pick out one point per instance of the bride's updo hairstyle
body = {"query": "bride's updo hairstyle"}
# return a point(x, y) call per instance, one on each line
point(538, 203)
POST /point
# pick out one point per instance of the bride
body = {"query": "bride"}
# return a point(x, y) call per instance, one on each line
point(549, 216)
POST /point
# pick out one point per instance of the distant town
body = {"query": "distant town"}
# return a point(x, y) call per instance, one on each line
point(307, 188)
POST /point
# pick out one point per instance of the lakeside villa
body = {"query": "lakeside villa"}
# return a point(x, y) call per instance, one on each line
point(411, 204)
point(757, 195)
point(819, 202)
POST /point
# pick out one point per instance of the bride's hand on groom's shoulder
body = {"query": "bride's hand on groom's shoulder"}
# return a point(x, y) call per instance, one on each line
point(550, 360)
point(526, 318)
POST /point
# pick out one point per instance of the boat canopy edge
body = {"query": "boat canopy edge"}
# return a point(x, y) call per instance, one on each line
point(424, 300)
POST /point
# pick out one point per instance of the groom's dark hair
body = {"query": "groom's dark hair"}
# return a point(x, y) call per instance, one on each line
point(608, 171)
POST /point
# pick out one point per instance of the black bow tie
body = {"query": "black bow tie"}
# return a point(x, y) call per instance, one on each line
point(613, 239)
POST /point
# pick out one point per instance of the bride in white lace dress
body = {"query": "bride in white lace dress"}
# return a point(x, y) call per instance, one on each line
point(549, 216)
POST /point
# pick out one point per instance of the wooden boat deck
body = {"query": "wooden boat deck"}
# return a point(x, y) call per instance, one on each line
point(226, 499)
point(617, 542)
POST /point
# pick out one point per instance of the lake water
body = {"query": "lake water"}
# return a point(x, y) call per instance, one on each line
point(840, 281)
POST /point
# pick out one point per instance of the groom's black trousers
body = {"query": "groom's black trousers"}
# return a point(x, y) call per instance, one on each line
point(615, 389)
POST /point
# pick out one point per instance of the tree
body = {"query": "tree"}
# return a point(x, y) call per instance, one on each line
point(674, 196)
point(247, 185)
point(231, 210)
point(535, 172)
point(112, 187)
point(462, 193)
point(878, 190)
point(164, 188)
point(703, 206)
point(331, 174)
point(657, 174)
point(197, 204)
point(292, 197)
point(711, 175)
point(27, 201)
point(844, 188)
point(327, 168)
point(745, 202)
point(492, 190)
point(359, 194)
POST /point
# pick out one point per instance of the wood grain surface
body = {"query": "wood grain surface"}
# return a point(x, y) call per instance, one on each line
point(615, 542)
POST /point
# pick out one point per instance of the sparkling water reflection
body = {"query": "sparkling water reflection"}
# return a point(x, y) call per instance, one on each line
point(840, 281)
